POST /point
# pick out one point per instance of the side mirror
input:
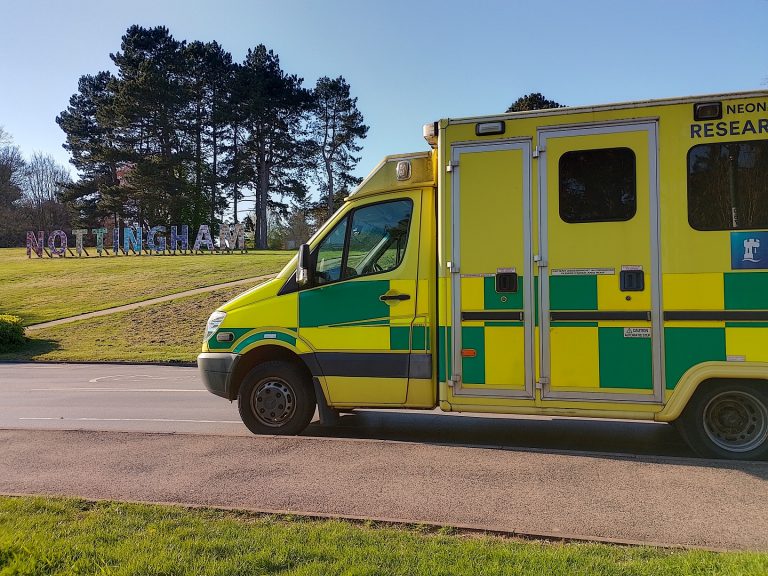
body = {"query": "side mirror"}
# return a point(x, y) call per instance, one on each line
point(304, 266)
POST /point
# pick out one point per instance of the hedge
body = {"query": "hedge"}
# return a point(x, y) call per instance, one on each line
point(11, 332)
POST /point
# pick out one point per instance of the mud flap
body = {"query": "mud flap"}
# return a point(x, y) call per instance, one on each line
point(328, 416)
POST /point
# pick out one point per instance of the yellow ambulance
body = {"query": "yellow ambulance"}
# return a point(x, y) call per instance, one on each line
point(605, 261)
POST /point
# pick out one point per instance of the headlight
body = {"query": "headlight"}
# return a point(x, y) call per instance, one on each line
point(214, 321)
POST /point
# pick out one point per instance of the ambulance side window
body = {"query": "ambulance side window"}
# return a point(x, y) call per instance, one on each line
point(728, 185)
point(369, 240)
point(329, 255)
point(598, 185)
point(378, 237)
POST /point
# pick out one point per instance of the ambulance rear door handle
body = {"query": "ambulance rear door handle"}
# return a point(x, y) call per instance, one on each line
point(385, 297)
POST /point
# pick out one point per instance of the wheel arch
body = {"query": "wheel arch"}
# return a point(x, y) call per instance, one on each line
point(260, 354)
point(706, 374)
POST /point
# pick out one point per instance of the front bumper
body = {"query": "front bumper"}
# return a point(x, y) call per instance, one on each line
point(216, 369)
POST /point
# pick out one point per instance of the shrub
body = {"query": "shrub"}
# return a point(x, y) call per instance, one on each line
point(11, 332)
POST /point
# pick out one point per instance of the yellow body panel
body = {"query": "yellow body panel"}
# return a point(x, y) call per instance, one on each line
point(747, 344)
point(472, 293)
point(348, 337)
point(490, 224)
point(693, 291)
point(354, 391)
point(579, 346)
point(499, 341)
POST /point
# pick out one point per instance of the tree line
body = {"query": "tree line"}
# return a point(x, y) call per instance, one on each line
point(30, 192)
point(182, 133)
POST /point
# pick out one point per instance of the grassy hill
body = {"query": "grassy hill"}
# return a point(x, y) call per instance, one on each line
point(166, 332)
point(42, 289)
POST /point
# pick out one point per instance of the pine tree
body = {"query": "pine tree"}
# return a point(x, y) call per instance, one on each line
point(91, 139)
point(533, 101)
point(336, 127)
point(275, 109)
point(207, 74)
point(149, 106)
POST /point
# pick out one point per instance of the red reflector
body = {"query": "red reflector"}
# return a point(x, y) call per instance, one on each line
point(468, 352)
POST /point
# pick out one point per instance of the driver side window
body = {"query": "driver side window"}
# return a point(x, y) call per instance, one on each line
point(329, 255)
point(378, 237)
point(370, 240)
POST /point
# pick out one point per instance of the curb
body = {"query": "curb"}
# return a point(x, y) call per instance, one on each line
point(92, 362)
point(431, 527)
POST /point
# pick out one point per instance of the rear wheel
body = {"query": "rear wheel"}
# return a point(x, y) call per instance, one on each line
point(276, 398)
point(728, 420)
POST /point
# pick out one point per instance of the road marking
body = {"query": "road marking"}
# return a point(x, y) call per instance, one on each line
point(133, 420)
point(133, 376)
point(116, 390)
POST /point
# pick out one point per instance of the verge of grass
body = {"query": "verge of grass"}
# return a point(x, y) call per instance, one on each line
point(45, 289)
point(167, 332)
point(68, 536)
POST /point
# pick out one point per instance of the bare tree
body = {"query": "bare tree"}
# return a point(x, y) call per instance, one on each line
point(44, 181)
point(12, 166)
point(5, 138)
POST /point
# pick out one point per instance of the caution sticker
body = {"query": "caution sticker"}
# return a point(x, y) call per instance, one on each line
point(637, 332)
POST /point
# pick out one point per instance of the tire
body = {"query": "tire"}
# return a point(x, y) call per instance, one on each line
point(727, 420)
point(276, 398)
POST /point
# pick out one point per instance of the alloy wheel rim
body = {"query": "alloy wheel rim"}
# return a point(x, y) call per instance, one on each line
point(736, 421)
point(273, 402)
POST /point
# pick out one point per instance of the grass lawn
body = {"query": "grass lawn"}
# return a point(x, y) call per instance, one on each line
point(166, 332)
point(67, 536)
point(44, 289)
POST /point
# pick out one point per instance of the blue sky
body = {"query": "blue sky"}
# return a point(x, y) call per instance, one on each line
point(408, 62)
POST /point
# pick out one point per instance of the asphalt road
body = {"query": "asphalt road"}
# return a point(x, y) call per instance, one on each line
point(136, 398)
point(152, 433)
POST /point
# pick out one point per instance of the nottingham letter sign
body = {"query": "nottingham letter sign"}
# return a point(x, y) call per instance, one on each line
point(137, 240)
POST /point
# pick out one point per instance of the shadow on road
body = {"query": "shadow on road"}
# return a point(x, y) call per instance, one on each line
point(611, 439)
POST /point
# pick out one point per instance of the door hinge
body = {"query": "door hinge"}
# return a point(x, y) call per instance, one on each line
point(450, 166)
point(455, 379)
point(541, 382)
point(452, 267)
point(540, 262)
point(537, 151)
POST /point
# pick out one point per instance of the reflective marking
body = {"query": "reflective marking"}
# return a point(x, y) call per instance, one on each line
point(116, 390)
point(134, 420)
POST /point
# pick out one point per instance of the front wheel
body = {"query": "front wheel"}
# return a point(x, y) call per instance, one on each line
point(276, 398)
point(728, 420)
